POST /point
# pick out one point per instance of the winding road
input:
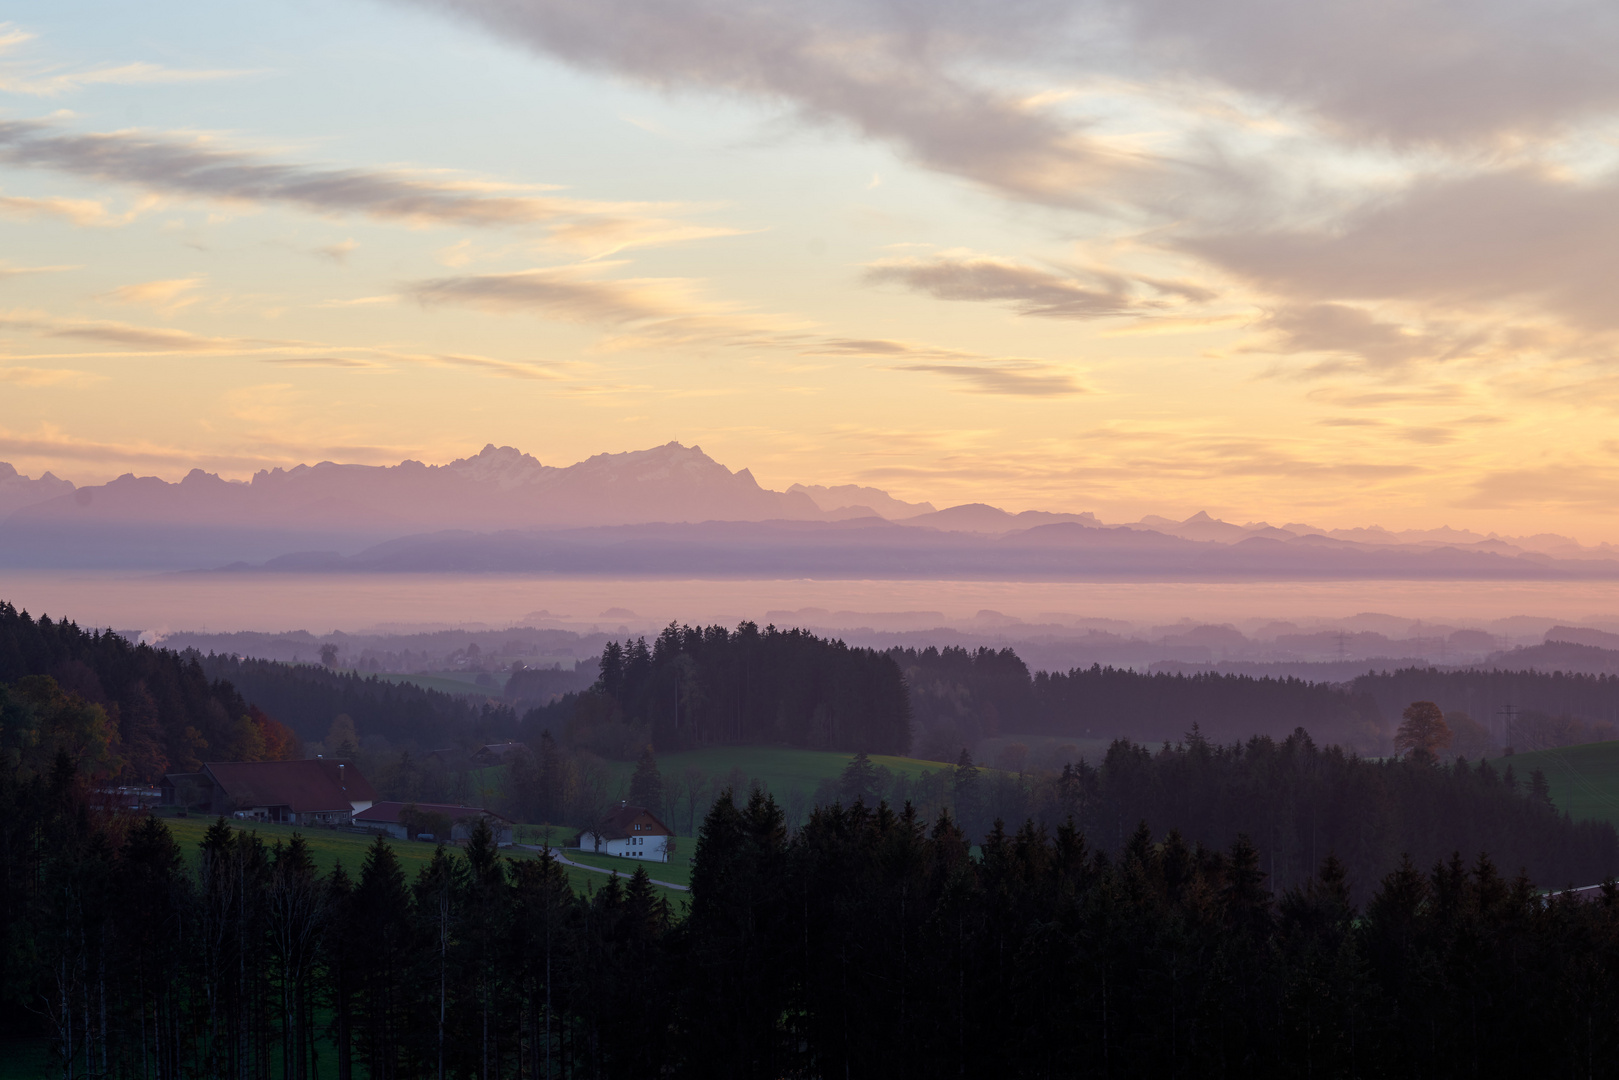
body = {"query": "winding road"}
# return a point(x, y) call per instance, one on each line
point(556, 853)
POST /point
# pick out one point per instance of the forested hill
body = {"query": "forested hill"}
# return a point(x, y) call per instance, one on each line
point(1531, 710)
point(118, 709)
point(308, 698)
point(133, 712)
point(960, 696)
point(700, 686)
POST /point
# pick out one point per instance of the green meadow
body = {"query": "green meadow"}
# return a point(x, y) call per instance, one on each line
point(677, 871)
point(329, 847)
point(1584, 780)
point(449, 682)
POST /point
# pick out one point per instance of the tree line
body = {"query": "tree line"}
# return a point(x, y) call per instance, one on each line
point(707, 686)
point(1527, 710)
point(960, 696)
point(870, 942)
point(249, 963)
point(308, 698)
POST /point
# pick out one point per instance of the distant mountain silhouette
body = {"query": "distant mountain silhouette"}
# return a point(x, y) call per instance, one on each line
point(17, 491)
point(847, 500)
point(500, 487)
point(147, 521)
point(672, 509)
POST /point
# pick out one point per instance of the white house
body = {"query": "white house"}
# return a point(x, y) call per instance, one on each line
point(629, 831)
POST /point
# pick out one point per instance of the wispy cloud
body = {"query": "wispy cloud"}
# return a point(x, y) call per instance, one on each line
point(76, 211)
point(887, 71)
point(567, 293)
point(167, 296)
point(1029, 290)
point(1526, 237)
point(338, 252)
point(1018, 378)
point(322, 361)
point(1418, 73)
point(38, 78)
point(131, 340)
point(51, 82)
point(136, 339)
point(202, 167)
point(9, 271)
point(1571, 483)
point(32, 376)
point(662, 312)
point(1352, 337)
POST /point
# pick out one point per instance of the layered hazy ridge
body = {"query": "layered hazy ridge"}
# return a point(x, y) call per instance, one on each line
point(674, 512)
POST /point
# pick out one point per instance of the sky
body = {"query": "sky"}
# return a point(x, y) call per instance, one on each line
point(1340, 263)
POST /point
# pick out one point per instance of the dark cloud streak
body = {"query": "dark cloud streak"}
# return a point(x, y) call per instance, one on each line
point(1029, 290)
point(200, 170)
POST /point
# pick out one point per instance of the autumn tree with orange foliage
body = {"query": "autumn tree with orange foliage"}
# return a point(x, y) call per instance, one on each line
point(1423, 732)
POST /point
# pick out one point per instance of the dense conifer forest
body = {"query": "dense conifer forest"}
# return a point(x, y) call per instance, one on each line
point(966, 695)
point(869, 943)
point(1253, 906)
point(960, 696)
point(699, 686)
point(307, 698)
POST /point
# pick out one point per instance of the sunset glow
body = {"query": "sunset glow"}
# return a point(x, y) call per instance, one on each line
point(1107, 257)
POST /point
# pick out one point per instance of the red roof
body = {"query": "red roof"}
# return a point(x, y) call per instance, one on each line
point(388, 812)
point(313, 785)
point(617, 824)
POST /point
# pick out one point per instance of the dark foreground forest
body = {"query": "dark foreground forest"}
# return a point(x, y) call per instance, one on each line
point(867, 944)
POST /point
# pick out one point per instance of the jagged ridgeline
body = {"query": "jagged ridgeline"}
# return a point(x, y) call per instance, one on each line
point(704, 686)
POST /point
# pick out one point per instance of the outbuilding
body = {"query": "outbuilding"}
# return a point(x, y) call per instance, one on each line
point(433, 821)
point(631, 831)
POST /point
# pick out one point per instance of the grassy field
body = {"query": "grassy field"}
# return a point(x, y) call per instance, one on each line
point(330, 848)
point(1584, 780)
point(450, 682)
point(677, 870)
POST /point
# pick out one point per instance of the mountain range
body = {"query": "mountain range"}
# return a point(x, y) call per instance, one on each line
point(673, 509)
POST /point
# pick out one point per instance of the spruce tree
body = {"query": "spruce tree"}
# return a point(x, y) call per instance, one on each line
point(858, 783)
point(381, 923)
point(646, 785)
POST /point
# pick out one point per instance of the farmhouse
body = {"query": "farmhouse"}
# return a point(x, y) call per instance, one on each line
point(316, 791)
point(436, 821)
point(630, 831)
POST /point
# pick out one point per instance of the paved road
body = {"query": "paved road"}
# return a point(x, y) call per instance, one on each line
point(556, 853)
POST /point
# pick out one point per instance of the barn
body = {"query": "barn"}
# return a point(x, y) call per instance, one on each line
point(315, 791)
